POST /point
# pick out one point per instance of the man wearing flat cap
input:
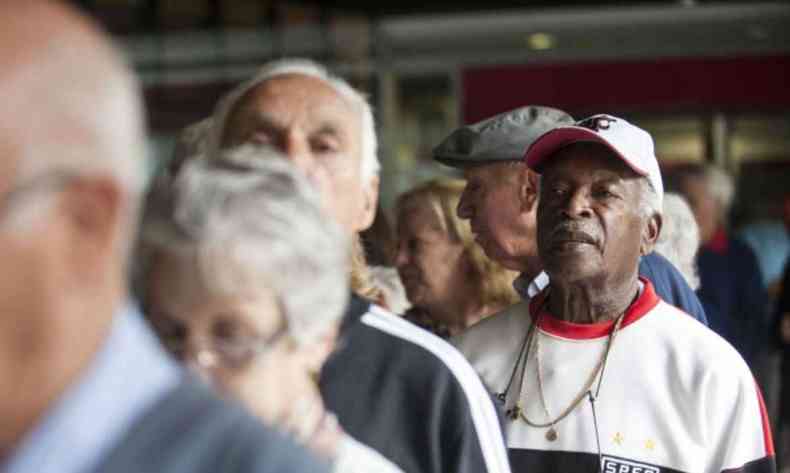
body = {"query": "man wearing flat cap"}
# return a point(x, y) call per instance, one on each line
point(596, 371)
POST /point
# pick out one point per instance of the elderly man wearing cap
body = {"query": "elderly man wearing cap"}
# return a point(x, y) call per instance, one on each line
point(602, 374)
point(501, 197)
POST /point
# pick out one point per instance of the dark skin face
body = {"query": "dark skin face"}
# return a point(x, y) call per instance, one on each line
point(590, 231)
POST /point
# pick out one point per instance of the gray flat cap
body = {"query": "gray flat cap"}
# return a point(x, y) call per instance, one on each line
point(503, 137)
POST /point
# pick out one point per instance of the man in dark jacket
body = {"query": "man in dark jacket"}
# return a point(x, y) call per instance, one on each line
point(393, 386)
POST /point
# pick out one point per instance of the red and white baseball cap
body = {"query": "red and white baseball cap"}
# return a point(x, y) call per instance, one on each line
point(628, 142)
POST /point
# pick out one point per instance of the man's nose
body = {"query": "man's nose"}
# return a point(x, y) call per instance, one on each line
point(401, 255)
point(297, 150)
point(577, 205)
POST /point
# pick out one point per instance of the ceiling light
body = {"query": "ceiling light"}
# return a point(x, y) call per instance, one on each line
point(540, 41)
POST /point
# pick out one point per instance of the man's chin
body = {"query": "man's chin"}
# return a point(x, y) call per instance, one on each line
point(496, 254)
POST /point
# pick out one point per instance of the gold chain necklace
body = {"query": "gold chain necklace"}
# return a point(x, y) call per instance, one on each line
point(534, 338)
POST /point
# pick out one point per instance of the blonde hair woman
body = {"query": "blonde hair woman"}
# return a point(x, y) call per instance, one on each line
point(450, 282)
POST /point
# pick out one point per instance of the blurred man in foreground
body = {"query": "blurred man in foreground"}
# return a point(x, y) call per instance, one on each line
point(393, 386)
point(86, 387)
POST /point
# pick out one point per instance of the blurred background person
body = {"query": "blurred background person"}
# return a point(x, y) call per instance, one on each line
point(731, 287)
point(86, 387)
point(379, 245)
point(679, 238)
point(782, 325)
point(379, 240)
point(770, 243)
point(449, 280)
point(226, 255)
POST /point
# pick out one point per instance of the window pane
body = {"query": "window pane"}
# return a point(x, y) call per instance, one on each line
point(759, 138)
point(678, 138)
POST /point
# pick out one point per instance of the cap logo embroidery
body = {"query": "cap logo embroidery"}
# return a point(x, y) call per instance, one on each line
point(597, 123)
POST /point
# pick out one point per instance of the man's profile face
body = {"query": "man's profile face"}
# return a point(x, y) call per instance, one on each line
point(316, 128)
point(589, 225)
point(491, 203)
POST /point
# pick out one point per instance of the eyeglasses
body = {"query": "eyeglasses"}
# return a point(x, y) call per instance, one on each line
point(217, 350)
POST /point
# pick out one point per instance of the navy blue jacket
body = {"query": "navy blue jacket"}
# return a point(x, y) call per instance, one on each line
point(671, 286)
point(733, 294)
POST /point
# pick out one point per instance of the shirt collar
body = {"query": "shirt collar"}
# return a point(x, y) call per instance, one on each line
point(645, 302)
point(719, 242)
point(129, 373)
point(527, 288)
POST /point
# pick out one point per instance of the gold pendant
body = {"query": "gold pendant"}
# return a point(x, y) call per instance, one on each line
point(551, 434)
point(514, 412)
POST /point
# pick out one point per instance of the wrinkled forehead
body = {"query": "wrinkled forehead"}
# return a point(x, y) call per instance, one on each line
point(418, 212)
point(306, 97)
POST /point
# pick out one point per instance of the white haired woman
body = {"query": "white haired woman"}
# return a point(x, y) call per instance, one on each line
point(679, 238)
point(243, 278)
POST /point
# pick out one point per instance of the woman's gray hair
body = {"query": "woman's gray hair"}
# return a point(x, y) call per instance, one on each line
point(251, 220)
point(650, 203)
point(679, 238)
point(369, 162)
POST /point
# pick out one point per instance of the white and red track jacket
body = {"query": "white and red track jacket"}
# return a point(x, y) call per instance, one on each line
point(675, 397)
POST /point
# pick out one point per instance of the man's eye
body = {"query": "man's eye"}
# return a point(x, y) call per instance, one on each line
point(227, 331)
point(261, 138)
point(603, 194)
point(324, 145)
point(556, 190)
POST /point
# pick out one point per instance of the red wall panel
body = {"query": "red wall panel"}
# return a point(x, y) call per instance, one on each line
point(660, 85)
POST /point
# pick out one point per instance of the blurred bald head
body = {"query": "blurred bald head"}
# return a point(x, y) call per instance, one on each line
point(69, 101)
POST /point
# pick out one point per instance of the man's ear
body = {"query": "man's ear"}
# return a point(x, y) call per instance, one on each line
point(529, 188)
point(650, 234)
point(369, 204)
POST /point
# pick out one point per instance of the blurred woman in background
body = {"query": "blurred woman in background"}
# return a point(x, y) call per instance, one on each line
point(449, 281)
point(731, 285)
point(679, 238)
point(245, 281)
